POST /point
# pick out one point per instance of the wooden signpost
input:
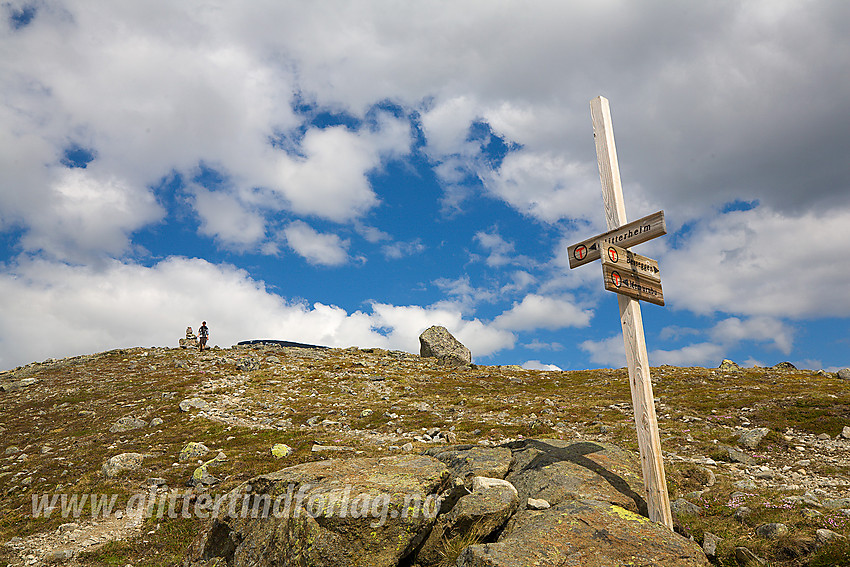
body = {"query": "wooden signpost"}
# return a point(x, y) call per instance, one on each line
point(637, 278)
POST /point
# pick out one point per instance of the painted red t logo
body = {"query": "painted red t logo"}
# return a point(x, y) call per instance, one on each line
point(580, 252)
point(613, 255)
point(615, 277)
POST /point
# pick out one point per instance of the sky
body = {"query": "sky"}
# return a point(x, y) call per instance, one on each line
point(350, 173)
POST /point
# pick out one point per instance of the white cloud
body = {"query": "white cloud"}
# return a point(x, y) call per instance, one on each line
point(537, 365)
point(315, 247)
point(546, 186)
point(501, 251)
point(734, 330)
point(329, 178)
point(85, 214)
point(609, 352)
point(398, 250)
point(700, 354)
point(224, 217)
point(86, 310)
point(762, 263)
point(543, 312)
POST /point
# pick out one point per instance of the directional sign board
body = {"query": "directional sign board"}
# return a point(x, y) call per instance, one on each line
point(627, 261)
point(625, 236)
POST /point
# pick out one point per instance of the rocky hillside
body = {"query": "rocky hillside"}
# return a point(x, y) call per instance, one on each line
point(758, 464)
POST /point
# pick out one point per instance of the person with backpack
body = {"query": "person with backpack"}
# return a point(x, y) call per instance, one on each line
point(203, 335)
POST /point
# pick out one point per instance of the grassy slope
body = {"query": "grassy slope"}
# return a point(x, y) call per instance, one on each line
point(61, 423)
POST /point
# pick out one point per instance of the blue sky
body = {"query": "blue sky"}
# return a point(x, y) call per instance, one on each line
point(351, 173)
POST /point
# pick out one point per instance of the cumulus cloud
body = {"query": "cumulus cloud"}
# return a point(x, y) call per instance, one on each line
point(315, 247)
point(609, 352)
point(83, 215)
point(763, 263)
point(84, 309)
point(227, 219)
point(543, 312)
point(398, 250)
point(328, 178)
point(546, 186)
point(537, 365)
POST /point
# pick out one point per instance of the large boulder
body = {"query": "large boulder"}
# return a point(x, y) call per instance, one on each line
point(334, 513)
point(556, 470)
point(589, 533)
point(439, 343)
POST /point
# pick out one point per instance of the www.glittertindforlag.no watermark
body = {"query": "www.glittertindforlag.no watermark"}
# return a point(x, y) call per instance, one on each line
point(297, 501)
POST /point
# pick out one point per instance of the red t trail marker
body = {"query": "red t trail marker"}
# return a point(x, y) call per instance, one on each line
point(633, 278)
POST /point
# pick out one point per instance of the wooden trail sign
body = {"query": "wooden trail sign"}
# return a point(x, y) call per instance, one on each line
point(631, 321)
point(627, 235)
point(631, 274)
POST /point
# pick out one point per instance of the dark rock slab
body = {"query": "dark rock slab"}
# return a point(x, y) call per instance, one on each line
point(585, 533)
point(556, 470)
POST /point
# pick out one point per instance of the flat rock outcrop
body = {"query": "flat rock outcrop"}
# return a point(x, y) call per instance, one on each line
point(413, 510)
point(556, 470)
point(588, 533)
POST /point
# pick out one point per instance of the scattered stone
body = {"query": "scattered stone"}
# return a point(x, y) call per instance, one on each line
point(320, 448)
point(746, 557)
point(824, 536)
point(727, 365)
point(437, 342)
point(844, 373)
point(709, 544)
point(127, 424)
point(736, 455)
point(845, 432)
point(156, 422)
point(192, 403)
point(14, 449)
point(773, 530)
point(824, 437)
point(407, 447)
point(743, 513)
point(750, 439)
point(281, 450)
point(59, 556)
point(156, 481)
point(537, 504)
point(837, 503)
point(67, 528)
point(202, 476)
point(315, 421)
point(192, 451)
point(783, 366)
point(123, 462)
point(366, 413)
point(681, 507)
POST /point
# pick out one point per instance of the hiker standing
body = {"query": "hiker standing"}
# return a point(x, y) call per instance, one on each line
point(203, 335)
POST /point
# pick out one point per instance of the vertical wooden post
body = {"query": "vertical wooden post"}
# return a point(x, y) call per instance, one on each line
point(646, 423)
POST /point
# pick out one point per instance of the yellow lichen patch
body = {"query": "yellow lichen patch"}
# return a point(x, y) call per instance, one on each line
point(628, 515)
